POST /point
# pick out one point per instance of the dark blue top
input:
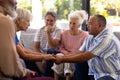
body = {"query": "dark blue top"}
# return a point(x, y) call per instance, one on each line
point(16, 40)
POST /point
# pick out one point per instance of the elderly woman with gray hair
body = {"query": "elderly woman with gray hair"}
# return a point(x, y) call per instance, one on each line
point(72, 40)
point(22, 22)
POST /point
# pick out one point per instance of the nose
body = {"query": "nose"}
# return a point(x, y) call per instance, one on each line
point(28, 24)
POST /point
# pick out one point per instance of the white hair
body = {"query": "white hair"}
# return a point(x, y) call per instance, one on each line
point(23, 14)
point(9, 8)
point(80, 15)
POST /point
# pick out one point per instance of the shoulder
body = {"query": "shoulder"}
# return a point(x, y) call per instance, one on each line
point(6, 22)
point(85, 32)
point(66, 32)
point(41, 29)
point(57, 29)
point(5, 19)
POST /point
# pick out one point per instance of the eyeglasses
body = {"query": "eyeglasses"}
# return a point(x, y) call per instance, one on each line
point(91, 24)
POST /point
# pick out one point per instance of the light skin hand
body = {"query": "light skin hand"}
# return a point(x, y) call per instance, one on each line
point(58, 59)
point(48, 57)
point(30, 73)
point(48, 28)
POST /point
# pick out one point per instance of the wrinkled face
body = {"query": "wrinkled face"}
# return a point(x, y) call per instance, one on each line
point(74, 24)
point(11, 8)
point(93, 25)
point(23, 24)
point(49, 20)
point(14, 3)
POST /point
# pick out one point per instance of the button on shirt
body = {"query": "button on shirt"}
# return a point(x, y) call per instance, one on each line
point(107, 48)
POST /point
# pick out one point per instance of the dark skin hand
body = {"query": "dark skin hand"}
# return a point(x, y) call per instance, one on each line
point(74, 58)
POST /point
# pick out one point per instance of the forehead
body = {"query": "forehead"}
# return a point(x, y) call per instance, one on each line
point(93, 19)
point(13, 1)
point(73, 19)
point(49, 17)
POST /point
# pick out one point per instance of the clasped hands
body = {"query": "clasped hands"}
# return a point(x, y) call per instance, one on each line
point(56, 58)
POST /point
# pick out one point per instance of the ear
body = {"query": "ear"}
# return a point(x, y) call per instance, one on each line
point(100, 25)
point(18, 20)
point(79, 25)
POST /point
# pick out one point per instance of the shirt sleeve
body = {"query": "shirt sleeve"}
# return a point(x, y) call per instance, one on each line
point(16, 40)
point(57, 34)
point(103, 48)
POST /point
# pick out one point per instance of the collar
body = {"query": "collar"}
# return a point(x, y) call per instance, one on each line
point(103, 32)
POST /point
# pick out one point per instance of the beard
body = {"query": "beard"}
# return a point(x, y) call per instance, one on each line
point(11, 11)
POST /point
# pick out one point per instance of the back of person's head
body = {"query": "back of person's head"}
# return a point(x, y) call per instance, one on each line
point(23, 14)
point(101, 19)
point(52, 13)
point(80, 15)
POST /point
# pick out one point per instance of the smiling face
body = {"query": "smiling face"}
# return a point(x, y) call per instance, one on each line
point(49, 20)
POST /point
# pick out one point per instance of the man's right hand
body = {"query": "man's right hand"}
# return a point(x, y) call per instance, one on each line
point(30, 73)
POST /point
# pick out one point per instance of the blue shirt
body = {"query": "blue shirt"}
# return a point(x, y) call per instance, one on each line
point(107, 48)
point(16, 40)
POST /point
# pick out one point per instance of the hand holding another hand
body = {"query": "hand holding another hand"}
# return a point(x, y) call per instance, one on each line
point(48, 57)
point(58, 58)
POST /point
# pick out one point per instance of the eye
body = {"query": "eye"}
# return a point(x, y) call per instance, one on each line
point(51, 20)
point(74, 23)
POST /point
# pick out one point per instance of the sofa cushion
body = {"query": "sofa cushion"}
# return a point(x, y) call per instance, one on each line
point(117, 34)
point(27, 38)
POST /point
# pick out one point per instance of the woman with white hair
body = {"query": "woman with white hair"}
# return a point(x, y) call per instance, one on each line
point(72, 40)
point(22, 22)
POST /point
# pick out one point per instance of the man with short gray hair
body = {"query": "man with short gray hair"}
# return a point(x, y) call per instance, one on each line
point(101, 49)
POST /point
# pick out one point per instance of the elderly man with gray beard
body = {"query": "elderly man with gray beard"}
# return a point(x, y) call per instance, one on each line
point(10, 65)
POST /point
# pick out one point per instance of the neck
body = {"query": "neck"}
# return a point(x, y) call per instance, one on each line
point(16, 27)
point(75, 32)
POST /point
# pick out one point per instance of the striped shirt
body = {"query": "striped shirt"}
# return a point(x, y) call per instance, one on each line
point(41, 36)
point(107, 48)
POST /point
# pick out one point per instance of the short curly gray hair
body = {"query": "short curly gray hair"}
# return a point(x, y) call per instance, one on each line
point(23, 14)
point(81, 15)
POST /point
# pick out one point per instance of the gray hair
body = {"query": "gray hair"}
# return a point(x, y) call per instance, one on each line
point(101, 19)
point(52, 13)
point(80, 15)
point(9, 8)
point(23, 14)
